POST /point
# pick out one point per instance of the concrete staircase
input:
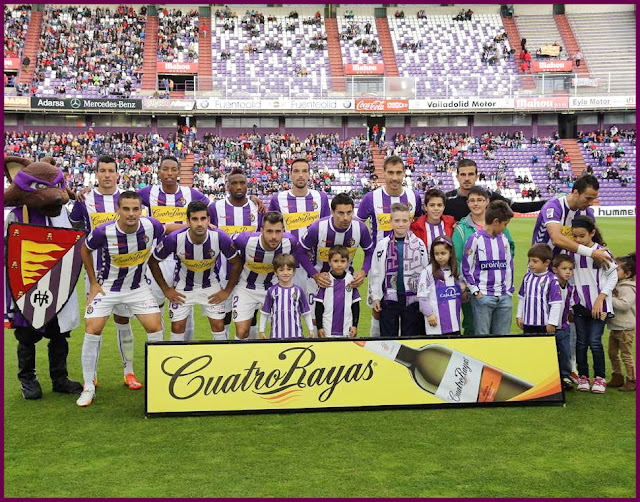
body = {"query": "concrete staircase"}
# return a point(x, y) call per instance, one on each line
point(186, 170)
point(31, 46)
point(573, 149)
point(378, 162)
point(336, 65)
point(150, 56)
point(539, 31)
point(513, 35)
point(205, 69)
point(570, 43)
point(386, 44)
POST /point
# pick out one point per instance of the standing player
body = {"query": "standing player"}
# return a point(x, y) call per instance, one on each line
point(234, 214)
point(167, 203)
point(197, 248)
point(123, 248)
point(337, 229)
point(93, 209)
point(258, 249)
point(376, 206)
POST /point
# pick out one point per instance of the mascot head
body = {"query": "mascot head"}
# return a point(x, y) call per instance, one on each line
point(38, 185)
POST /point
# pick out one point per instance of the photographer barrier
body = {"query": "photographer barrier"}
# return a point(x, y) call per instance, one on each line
point(340, 374)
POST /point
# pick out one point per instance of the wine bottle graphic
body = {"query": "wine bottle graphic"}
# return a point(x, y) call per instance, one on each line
point(450, 374)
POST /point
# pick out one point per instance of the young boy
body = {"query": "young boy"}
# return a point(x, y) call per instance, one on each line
point(563, 265)
point(285, 302)
point(487, 268)
point(338, 306)
point(397, 263)
point(434, 223)
point(539, 296)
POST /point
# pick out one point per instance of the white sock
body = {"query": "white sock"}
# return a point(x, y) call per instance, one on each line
point(219, 335)
point(253, 332)
point(155, 337)
point(241, 339)
point(177, 337)
point(125, 344)
point(375, 328)
point(190, 329)
point(90, 354)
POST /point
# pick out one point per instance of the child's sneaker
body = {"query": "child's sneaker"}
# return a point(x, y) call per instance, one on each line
point(583, 383)
point(567, 384)
point(574, 377)
point(599, 385)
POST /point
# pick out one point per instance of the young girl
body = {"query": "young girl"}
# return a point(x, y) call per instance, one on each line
point(594, 286)
point(623, 325)
point(439, 290)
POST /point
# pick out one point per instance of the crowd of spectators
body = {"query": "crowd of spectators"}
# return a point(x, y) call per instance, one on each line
point(91, 49)
point(178, 35)
point(605, 146)
point(16, 24)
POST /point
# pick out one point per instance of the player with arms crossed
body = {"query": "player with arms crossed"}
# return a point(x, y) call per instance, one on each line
point(197, 248)
point(123, 248)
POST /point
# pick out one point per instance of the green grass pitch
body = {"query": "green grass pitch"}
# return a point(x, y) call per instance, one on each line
point(54, 449)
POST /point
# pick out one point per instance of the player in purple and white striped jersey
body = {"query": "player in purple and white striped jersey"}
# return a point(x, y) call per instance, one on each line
point(487, 267)
point(540, 297)
point(285, 303)
point(234, 214)
point(198, 249)
point(376, 206)
point(440, 290)
point(257, 250)
point(553, 225)
point(563, 265)
point(123, 248)
point(434, 223)
point(337, 306)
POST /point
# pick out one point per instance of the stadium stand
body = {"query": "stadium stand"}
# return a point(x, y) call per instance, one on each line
point(16, 23)
point(359, 39)
point(178, 36)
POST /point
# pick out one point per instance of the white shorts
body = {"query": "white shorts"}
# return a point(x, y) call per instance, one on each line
point(179, 312)
point(311, 290)
point(138, 301)
point(246, 302)
point(121, 310)
point(229, 301)
point(168, 268)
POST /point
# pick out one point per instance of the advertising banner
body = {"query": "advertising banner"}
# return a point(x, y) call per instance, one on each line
point(310, 374)
point(11, 64)
point(381, 105)
point(585, 82)
point(614, 211)
point(364, 69)
point(460, 104)
point(542, 103)
point(602, 102)
point(85, 104)
point(168, 104)
point(551, 66)
point(17, 101)
point(166, 67)
point(228, 104)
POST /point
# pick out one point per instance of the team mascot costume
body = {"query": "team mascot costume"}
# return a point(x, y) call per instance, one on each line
point(42, 267)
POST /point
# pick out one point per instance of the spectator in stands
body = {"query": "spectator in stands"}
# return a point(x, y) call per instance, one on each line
point(468, 14)
point(578, 58)
point(399, 14)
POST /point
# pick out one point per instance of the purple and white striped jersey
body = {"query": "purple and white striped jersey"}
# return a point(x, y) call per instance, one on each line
point(487, 264)
point(285, 306)
point(433, 231)
point(170, 207)
point(590, 280)
point(556, 211)
point(300, 212)
point(122, 258)
point(96, 209)
point(377, 206)
point(541, 297)
point(442, 298)
point(568, 300)
point(337, 318)
point(196, 262)
point(322, 236)
point(257, 271)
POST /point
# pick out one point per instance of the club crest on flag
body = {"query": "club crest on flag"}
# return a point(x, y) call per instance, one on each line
point(43, 267)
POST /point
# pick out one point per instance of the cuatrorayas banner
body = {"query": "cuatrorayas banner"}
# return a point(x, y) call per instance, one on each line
point(309, 374)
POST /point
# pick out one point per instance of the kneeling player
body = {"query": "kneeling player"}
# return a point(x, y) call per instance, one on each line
point(197, 248)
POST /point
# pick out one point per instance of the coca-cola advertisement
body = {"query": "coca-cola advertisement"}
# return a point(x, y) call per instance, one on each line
point(382, 105)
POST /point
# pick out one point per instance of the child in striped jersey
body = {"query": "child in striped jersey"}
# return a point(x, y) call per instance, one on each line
point(338, 306)
point(439, 290)
point(563, 265)
point(539, 296)
point(594, 286)
point(285, 302)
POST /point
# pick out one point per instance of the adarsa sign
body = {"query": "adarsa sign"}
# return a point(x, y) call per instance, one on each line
point(382, 105)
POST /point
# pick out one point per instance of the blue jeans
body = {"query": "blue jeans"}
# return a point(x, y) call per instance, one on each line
point(589, 334)
point(563, 339)
point(492, 315)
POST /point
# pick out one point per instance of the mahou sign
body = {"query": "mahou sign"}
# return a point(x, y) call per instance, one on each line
point(382, 105)
point(551, 66)
point(364, 69)
point(167, 67)
point(11, 63)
